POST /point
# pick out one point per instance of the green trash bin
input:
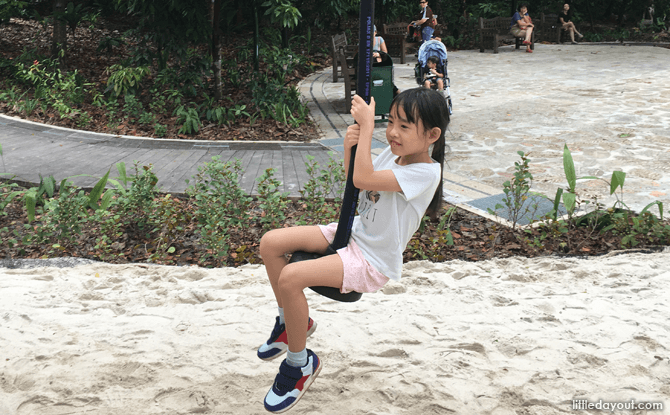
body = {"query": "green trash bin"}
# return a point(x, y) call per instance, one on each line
point(382, 89)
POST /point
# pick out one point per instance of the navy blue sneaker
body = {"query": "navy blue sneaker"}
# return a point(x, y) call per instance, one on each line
point(277, 344)
point(291, 383)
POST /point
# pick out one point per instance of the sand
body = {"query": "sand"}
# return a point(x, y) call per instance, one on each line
point(504, 336)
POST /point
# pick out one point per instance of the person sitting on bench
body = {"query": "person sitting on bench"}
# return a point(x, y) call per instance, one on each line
point(564, 19)
point(522, 26)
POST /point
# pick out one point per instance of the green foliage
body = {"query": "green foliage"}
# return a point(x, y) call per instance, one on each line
point(63, 92)
point(64, 215)
point(7, 195)
point(323, 183)
point(125, 80)
point(517, 192)
point(108, 43)
point(160, 130)
point(10, 8)
point(271, 95)
point(166, 28)
point(72, 15)
point(221, 205)
point(271, 201)
point(34, 196)
point(282, 12)
point(189, 118)
point(170, 221)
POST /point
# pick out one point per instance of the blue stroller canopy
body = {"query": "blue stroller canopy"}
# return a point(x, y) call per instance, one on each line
point(432, 48)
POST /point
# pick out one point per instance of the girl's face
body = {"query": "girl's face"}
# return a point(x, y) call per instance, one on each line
point(523, 10)
point(566, 7)
point(408, 140)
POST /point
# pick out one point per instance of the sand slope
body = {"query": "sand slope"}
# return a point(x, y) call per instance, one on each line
point(505, 336)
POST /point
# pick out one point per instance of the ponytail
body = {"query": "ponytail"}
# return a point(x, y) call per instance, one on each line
point(430, 107)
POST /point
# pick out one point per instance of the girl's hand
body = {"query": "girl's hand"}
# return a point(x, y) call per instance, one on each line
point(351, 138)
point(363, 113)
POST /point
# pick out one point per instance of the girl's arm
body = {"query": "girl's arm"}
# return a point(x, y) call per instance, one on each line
point(365, 176)
point(383, 47)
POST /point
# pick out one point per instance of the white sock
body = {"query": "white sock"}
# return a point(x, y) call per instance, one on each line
point(298, 359)
point(281, 315)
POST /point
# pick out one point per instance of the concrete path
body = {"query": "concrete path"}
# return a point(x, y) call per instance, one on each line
point(609, 103)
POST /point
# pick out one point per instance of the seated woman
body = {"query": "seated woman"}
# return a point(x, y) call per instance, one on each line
point(522, 26)
point(564, 18)
point(378, 46)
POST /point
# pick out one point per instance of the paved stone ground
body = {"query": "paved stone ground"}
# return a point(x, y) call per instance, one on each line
point(610, 104)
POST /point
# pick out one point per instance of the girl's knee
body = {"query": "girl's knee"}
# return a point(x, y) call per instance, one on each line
point(270, 242)
point(287, 281)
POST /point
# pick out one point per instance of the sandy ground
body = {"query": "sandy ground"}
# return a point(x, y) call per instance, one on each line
point(505, 336)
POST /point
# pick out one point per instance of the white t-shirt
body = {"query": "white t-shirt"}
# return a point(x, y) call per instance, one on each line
point(387, 220)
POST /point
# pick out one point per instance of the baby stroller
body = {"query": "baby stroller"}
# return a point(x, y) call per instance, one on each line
point(428, 49)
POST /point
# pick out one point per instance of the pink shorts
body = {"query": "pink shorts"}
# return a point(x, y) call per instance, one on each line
point(359, 275)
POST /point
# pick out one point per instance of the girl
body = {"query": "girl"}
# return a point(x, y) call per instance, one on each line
point(397, 188)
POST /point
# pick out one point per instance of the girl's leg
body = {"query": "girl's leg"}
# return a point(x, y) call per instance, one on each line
point(276, 243)
point(326, 271)
point(571, 30)
point(426, 84)
point(440, 85)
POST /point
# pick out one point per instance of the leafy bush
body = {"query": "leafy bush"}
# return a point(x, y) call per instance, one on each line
point(124, 80)
point(221, 205)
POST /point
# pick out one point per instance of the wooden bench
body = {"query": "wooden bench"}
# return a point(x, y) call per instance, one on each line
point(349, 75)
point(339, 43)
point(551, 30)
point(395, 37)
point(492, 31)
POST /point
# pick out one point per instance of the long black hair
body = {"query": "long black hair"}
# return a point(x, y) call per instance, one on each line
point(430, 107)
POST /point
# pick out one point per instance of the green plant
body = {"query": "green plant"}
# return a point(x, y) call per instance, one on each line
point(7, 195)
point(132, 107)
point(58, 90)
point(160, 130)
point(282, 12)
point(72, 15)
point(33, 197)
point(221, 205)
point(29, 106)
point(517, 192)
point(323, 183)
point(170, 219)
point(107, 44)
point(189, 118)
point(147, 118)
point(270, 200)
point(64, 215)
point(124, 80)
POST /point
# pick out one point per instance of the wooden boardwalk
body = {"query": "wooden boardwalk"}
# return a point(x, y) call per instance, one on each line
point(31, 150)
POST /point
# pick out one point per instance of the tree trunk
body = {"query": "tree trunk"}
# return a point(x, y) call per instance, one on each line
point(59, 38)
point(216, 49)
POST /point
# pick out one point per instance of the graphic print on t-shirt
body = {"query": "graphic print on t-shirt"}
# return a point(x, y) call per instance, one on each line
point(367, 210)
